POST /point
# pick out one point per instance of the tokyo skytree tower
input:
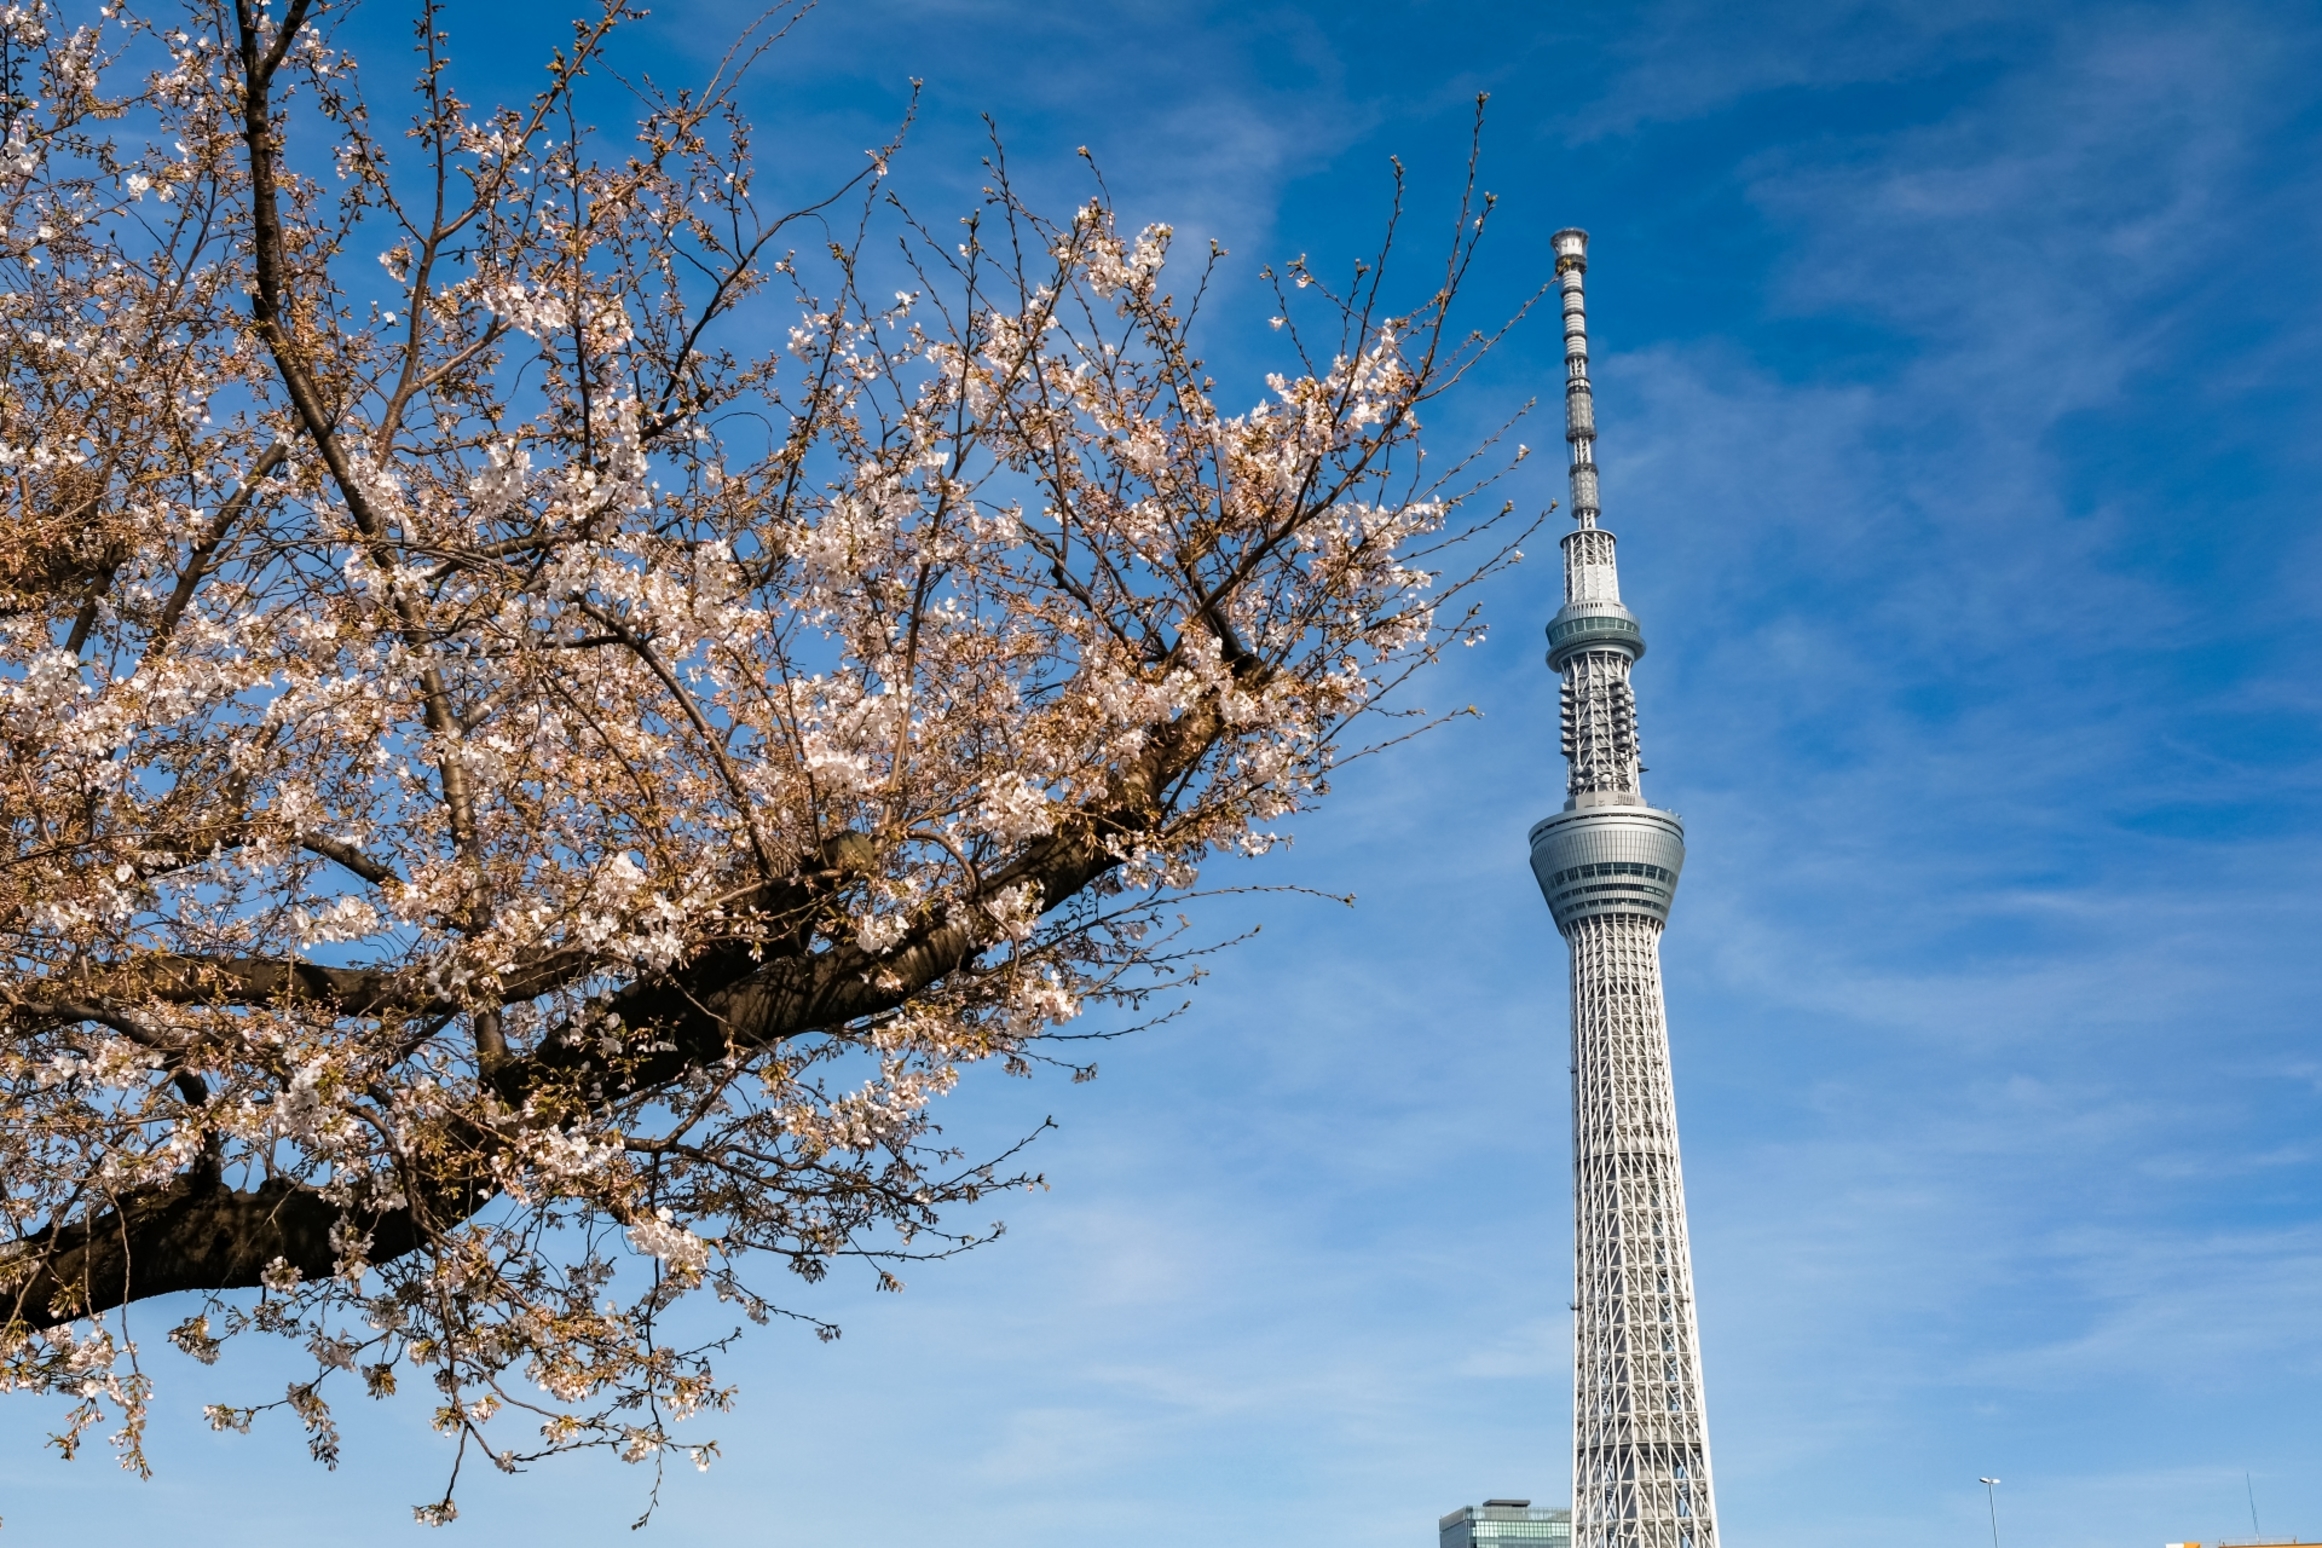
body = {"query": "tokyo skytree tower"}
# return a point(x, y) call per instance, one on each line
point(1608, 866)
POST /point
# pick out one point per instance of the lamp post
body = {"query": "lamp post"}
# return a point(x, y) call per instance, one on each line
point(1991, 1498)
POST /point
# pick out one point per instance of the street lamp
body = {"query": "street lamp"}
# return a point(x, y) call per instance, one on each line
point(1991, 1498)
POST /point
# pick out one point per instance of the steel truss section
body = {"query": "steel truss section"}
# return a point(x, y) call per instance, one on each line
point(1600, 721)
point(1640, 1438)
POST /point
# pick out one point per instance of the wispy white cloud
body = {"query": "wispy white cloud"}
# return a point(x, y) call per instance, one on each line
point(1680, 59)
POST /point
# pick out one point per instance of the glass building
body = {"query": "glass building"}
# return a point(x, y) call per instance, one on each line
point(1507, 1524)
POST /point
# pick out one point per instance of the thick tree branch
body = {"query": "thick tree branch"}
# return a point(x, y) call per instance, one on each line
point(196, 1235)
point(177, 979)
point(192, 1234)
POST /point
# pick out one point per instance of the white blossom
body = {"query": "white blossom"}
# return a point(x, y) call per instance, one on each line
point(542, 754)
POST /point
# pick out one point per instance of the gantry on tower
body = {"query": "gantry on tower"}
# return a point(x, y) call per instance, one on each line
point(1608, 866)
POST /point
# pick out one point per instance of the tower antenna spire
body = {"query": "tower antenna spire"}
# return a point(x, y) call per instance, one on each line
point(1608, 866)
point(1579, 401)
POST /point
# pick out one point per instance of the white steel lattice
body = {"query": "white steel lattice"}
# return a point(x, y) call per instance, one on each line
point(1640, 1441)
point(1600, 721)
point(1608, 866)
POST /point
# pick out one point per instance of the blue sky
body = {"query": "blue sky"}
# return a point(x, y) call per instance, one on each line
point(1957, 381)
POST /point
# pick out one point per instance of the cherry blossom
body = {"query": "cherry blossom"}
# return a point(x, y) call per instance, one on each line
point(521, 805)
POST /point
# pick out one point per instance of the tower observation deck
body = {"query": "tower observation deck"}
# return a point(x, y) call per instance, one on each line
point(1608, 866)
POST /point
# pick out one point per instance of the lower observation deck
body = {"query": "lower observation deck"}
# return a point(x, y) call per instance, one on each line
point(1608, 860)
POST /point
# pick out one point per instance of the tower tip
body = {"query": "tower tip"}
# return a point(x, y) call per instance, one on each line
point(1571, 246)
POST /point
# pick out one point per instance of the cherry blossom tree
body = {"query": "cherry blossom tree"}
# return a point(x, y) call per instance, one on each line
point(549, 708)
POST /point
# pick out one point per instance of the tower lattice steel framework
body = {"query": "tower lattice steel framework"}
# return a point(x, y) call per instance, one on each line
point(1608, 865)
